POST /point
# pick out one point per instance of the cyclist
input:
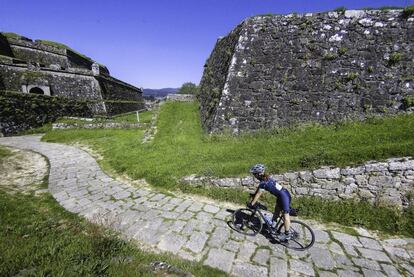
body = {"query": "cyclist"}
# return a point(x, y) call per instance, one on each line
point(282, 194)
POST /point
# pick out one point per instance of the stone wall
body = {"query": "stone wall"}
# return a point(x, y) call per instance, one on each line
point(22, 111)
point(103, 125)
point(388, 182)
point(60, 83)
point(181, 97)
point(215, 76)
point(323, 67)
point(56, 70)
point(126, 96)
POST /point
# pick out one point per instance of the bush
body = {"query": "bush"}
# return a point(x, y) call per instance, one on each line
point(188, 88)
point(407, 102)
point(408, 11)
point(394, 59)
point(341, 9)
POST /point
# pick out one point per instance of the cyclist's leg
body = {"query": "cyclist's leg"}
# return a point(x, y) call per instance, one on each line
point(278, 210)
point(285, 200)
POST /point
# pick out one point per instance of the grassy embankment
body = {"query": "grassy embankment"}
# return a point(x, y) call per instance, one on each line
point(40, 238)
point(181, 148)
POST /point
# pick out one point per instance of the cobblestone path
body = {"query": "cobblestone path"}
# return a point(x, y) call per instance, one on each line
point(198, 231)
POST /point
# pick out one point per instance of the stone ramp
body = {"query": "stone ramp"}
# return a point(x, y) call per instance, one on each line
point(198, 231)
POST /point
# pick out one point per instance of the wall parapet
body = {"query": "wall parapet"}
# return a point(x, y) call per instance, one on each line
point(389, 182)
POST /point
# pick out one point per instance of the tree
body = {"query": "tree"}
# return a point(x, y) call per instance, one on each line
point(188, 88)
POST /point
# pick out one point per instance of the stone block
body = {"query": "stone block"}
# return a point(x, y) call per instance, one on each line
point(373, 273)
point(390, 270)
point(302, 267)
point(306, 176)
point(262, 256)
point(353, 171)
point(278, 267)
point(327, 173)
point(232, 245)
point(370, 264)
point(322, 258)
point(196, 242)
point(246, 251)
point(374, 255)
point(248, 270)
point(290, 176)
point(400, 166)
point(302, 191)
point(172, 242)
point(221, 259)
point(211, 209)
point(370, 243)
point(376, 167)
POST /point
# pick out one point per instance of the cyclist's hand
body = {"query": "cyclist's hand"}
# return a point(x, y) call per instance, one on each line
point(250, 206)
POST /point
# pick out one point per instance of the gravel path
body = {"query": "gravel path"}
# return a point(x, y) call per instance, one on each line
point(198, 231)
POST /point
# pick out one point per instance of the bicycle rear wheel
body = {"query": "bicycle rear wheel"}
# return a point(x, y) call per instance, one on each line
point(303, 236)
point(247, 222)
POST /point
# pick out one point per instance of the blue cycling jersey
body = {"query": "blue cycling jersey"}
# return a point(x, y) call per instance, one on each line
point(282, 194)
point(271, 186)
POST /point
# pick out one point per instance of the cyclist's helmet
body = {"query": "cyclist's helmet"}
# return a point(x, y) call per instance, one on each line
point(258, 169)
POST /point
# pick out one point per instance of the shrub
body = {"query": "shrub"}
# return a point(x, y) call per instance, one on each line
point(189, 88)
point(330, 57)
point(394, 58)
point(341, 9)
point(342, 50)
point(408, 102)
point(352, 76)
point(408, 11)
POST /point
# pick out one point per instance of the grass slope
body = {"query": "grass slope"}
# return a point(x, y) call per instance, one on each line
point(40, 238)
point(181, 148)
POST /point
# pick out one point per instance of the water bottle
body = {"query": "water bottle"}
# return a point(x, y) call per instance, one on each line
point(268, 219)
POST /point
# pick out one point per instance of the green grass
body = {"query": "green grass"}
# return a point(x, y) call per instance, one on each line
point(180, 148)
point(144, 117)
point(40, 238)
point(4, 153)
point(11, 35)
point(349, 213)
point(39, 130)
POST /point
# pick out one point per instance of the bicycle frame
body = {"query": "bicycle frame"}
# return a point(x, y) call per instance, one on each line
point(279, 219)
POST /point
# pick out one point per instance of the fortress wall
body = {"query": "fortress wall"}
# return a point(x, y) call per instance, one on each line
point(39, 56)
point(57, 71)
point(81, 87)
point(75, 60)
point(215, 74)
point(323, 67)
point(5, 49)
point(22, 111)
point(113, 89)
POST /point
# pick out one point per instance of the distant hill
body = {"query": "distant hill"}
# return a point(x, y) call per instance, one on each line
point(159, 92)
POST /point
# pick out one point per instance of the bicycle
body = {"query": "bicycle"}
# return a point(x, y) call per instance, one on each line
point(251, 221)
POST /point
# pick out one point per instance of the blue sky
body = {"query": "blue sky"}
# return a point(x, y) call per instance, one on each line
point(154, 43)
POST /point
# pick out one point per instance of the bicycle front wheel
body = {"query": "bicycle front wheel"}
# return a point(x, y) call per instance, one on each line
point(247, 222)
point(302, 236)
